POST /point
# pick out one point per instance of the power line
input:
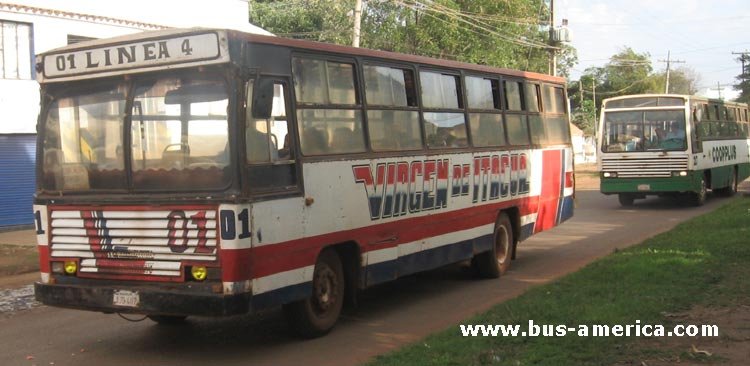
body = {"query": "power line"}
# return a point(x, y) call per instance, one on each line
point(480, 27)
point(669, 62)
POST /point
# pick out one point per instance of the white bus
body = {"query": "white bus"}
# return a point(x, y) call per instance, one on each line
point(212, 172)
point(659, 144)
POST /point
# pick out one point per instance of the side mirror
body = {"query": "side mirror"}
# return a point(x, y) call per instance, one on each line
point(262, 99)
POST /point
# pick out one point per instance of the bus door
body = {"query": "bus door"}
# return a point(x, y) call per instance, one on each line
point(697, 130)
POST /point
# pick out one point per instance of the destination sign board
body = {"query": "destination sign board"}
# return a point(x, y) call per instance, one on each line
point(136, 54)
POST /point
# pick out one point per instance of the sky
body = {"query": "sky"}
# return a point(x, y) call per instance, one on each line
point(702, 33)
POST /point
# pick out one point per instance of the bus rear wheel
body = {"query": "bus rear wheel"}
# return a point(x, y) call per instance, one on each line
point(730, 189)
point(495, 262)
point(316, 315)
point(168, 319)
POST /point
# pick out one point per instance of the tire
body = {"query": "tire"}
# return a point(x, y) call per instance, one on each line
point(626, 200)
point(316, 315)
point(168, 319)
point(496, 262)
point(699, 198)
point(731, 189)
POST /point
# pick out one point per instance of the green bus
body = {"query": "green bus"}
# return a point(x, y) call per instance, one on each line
point(672, 145)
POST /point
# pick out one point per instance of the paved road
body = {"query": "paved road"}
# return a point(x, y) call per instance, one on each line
point(389, 316)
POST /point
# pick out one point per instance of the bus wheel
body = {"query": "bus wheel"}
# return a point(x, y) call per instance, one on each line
point(626, 200)
point(316, 315)
point(168, 319)
point(699, 198)
point(731, 189)
point(495, 262)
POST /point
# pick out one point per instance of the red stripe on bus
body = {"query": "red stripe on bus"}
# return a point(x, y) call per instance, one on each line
point(551, 184)
point(44, 265)
point(298, 253)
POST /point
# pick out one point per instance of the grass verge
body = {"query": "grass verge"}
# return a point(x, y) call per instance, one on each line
point(702, 262)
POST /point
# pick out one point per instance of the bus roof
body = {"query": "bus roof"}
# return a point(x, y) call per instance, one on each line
point(687, 97)
point(153, 50)
point(393, 56)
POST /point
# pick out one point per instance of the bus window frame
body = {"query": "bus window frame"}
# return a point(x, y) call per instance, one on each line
point(366, 107)
point(522, 112)
point(499, 108)
point(546, 114)
point(461, 99)
point(245, 166)
point(359, 105)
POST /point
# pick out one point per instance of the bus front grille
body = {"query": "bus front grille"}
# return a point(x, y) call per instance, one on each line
point(658, 167)
point(128, 244)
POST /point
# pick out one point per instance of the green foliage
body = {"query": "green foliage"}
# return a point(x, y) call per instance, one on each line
point(628, 72)
point(743, 79)
point(507, 33)
point(698, 262)
point(584, 117)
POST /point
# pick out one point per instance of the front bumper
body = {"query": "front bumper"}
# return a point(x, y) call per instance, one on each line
point(152, 301)
point(689, 183)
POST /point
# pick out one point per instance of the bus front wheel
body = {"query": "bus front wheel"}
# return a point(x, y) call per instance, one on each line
point(698, 198)
point(495, 262)
point(626, 200)
point(316, 315)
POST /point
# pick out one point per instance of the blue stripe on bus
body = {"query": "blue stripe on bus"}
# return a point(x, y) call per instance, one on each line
point(282, 295)
point(426, 259)
point(566, 209)
point(526, 231)
point(390, 270)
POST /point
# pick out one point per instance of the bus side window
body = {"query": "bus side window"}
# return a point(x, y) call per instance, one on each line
point(269, 146)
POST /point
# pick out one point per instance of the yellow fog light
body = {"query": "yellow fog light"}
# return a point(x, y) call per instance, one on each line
point(70, 267)
point(199, 273)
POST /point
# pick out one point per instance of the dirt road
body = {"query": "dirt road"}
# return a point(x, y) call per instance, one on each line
point(389, 316)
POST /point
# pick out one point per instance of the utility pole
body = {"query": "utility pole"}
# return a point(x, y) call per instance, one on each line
point(669, 61)
point(357, 22)
point(552, 51)
point(744, 56)
point(580, 90)
point(593, 91)
point(719, 88)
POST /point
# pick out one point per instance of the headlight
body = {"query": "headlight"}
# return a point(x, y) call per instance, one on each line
point(609, 175)
point(58, 267)
point(679, 174)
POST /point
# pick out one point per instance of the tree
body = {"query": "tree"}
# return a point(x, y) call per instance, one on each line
point(506, 33)
point(743, 79)
point(683, 80)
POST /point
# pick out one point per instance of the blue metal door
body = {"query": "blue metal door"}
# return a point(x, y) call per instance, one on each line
point(17, 179)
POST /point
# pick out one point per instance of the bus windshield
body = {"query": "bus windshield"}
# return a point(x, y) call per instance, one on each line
point(644, 131)
point(178, 136)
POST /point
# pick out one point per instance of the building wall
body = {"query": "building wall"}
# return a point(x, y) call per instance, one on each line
point(52, 21)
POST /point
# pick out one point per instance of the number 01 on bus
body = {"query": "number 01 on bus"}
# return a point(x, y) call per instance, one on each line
point(213, 173)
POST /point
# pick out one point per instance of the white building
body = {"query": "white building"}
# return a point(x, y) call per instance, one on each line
point(28, 27)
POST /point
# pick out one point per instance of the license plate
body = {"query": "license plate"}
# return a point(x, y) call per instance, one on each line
point(644, 187)
point(126, 298)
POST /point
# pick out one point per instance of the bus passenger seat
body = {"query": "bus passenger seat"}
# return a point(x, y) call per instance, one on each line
point(343, 140)
point(314, 141)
